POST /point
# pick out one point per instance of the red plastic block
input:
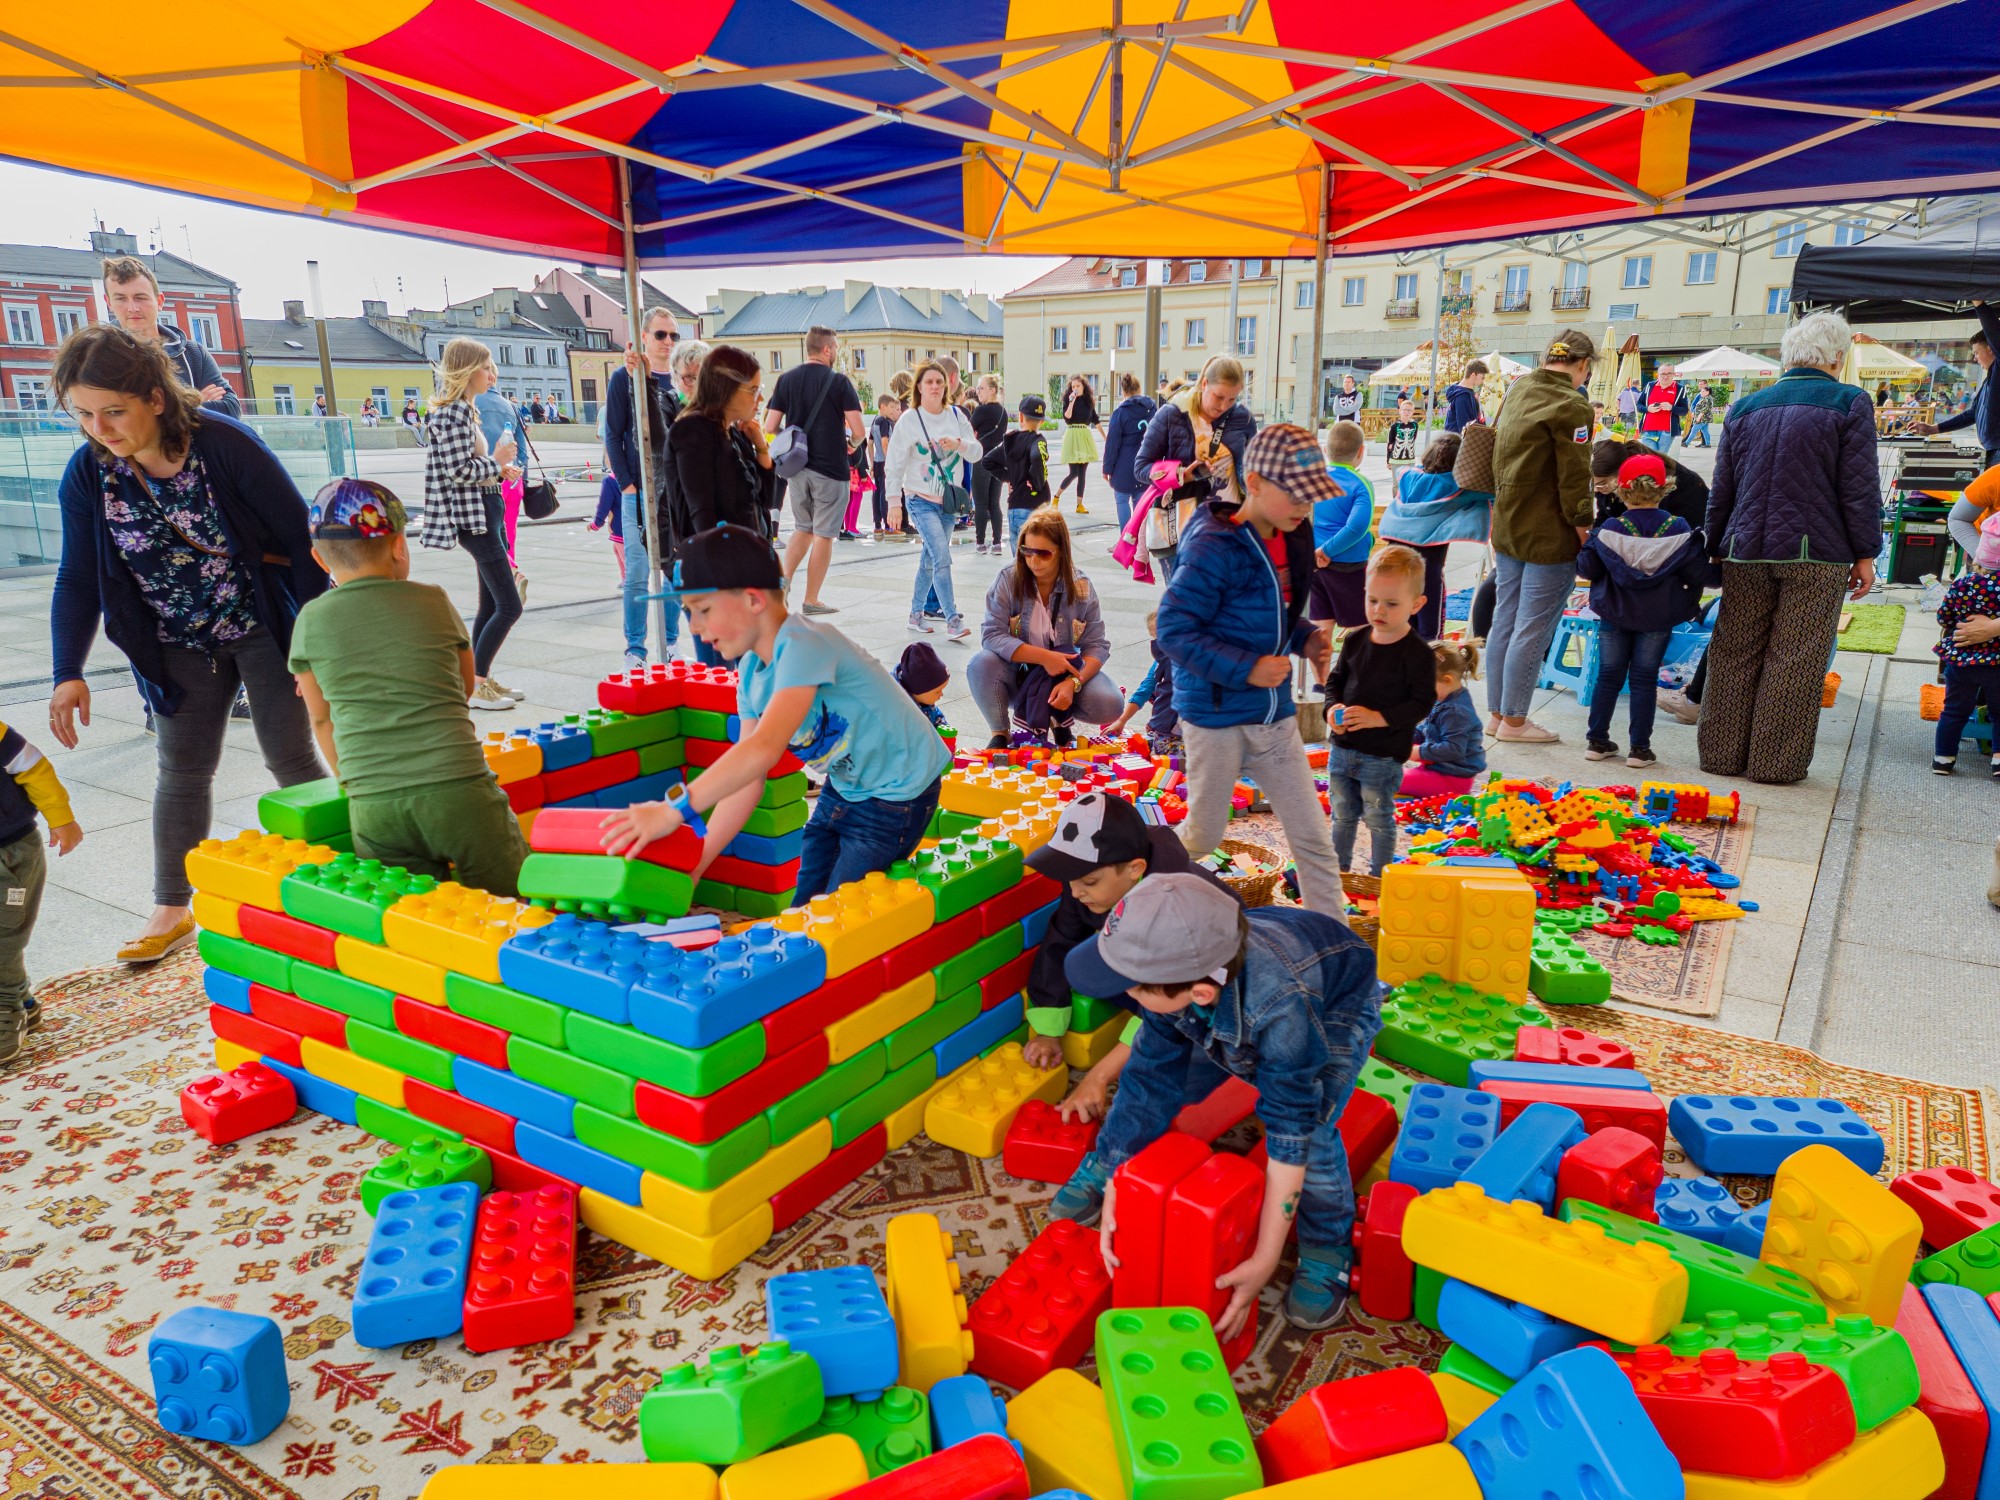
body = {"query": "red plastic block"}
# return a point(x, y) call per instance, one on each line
point(798, 1198)
point(928, 949)
point(1757, 1419)
point(1570, 1046)
point(580, 830)
point(1041, 1146)
point(1367, 1128)
point(287, 935)
point(521, 1286)
point(713, 1116)
point(1947, 1397)
point(526, 795)
point(1143, 1185)
point(1211, 1222)
point(1017, 903)
point(650, 690)
point(512, 1175)
point(1637, 1110)
point(705, 753)
point(1232, 1102)
point(1352, 1421)
point(261, 1037)
point(1383, 1279)
point(712, 688)
point(747, 874)
point(985, 1467)
point(794, 1025)
point(589, 776)
point(1041, 1314)
point(1009, 979)
point(250, 1097)
point(291, 1013)
point(1616, 1167)
point(459, 1035)
point(1951, 1202)
point(478, 1124)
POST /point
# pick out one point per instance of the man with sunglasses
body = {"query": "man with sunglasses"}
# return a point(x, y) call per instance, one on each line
point(658, 335)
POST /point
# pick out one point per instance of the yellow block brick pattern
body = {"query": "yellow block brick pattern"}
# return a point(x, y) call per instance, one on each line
point(414, 977)
point(1900, 1460)
point(818, 1470)
point(215, 914)
point(862, 920)
point(335, 1065)
point(924, 1299)
point(703, 1256)
point(1065, 1435)
point(1846, 1233)
point(854, 1034)
point(458, 928)
point(248, 867)
point(974, 1110)
point(711, 1211)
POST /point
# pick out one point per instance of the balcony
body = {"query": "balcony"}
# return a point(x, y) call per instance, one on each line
point(1570, 298)
point(1511, 302)
point(1401, 310)
point(1451, 304)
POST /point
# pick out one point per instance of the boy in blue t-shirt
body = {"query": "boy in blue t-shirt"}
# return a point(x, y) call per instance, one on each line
point(806, 689)
point(1343, 531)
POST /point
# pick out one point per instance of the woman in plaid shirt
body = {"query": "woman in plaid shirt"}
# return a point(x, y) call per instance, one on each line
point(462, 507)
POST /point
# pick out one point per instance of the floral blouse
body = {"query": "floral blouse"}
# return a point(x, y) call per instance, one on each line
point(179, 556)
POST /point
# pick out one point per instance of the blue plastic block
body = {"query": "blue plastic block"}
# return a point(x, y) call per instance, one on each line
point(981, 1034)
point(698, 996)
point(1496, 1071)
point(1035, 925)
point(1059, 1494)
point(1507, 1335)
point(1745, 1134)
point(585, 965)
point(763, 849)
point(1522, 1161)
point(1699, 1207)
point(964, 1407)
point(219, 1375)
point(841, 1319)
point(588, 799)
point(640, 789)
point(1746, 1235)
point(316, 1094)
point(231, 990)
point(563, 745)
point(527, 1102)
point(1572, 1429)
point(1973, 1331)
point(577, 1163)
point(413, 1279)
point(1444, 1131)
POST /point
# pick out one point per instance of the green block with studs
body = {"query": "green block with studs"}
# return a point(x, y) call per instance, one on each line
point(313, 810)
point(245, 960)
point(349, 996)
point(951, 824)
point(1719, 1279)
point(349, 894)
point(1562, 972)
point(601, 877)
point(1176, 1422)
point(1874, 1363)
point(735, 1406)
point(428, 1161)
point(1974, 1262)
point(389, 1123)
point(1378, 1078)
point(692, 1165)
point(892, 1430)
point(962, 872)
point(510, 1010)
point(695, 1071)
point(612, 731)
point(1440, 1029)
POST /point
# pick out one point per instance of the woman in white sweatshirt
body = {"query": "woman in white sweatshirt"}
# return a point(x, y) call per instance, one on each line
point(931, 451)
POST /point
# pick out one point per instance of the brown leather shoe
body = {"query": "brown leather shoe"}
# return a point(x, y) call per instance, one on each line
point(150, 950)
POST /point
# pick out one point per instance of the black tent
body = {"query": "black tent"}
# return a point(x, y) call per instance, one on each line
point(1900, 278)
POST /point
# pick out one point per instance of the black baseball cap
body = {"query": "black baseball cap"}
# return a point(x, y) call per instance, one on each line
point(1034, 406)
point(726, 557)
point(1095, 830)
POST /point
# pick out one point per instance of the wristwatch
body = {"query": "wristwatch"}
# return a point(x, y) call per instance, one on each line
point(677, 798)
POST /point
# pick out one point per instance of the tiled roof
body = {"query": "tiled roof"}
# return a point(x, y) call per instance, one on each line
point(882, 308)
point(353, 340)
point(54, 263)
point(614, 288)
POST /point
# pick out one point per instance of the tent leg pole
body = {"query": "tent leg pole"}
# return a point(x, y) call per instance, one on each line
point(1307, 379)
point(649, 490)
point(1437, 332)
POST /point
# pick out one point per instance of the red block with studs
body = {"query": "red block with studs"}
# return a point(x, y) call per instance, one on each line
point(649, 690)
point(1042, 1146)
point(1232, 1102)
point(1352, 1421)
point(1947, 1397)
point(1143, 1186)
point(1211, 1222)
point(521, 1285)
point(1615, 1167)
point(1638, 1110)
point(1952, 1202)
point(1041, 1314)
point(1570, 1046)
point(1383, 1280)
point(250, 1097)
point(1367, 1128)
point(1757, 1419)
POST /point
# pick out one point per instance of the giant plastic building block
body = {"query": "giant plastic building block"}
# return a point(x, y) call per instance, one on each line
point(1382, 1277)
point(985, 1467)
point(974, 1109)
point(1211, 1224)
point(1510, 1336)
point(737, 1405)
point(1438, 1472)
point(429, 1161)
point(286, 935)
point(1746, 1235)
point(1143, 1184)
point(1460, 1363)
point(1846, 1233)
point(964, 1407)
point(582, 965)
point(636, 883)
point(1463, 1401)
point(591, 1481)
point(1638, 1110)
point(1615, 1167)
point(1505, 1070)
point(1040, 1314)
point(1470, 925)
point(1042, 1146)
point(1387, 1083)
point(458, 928)
point(924, 1299)
point(1233, 1101)
point(962, 872)
point(822, 1469)
point(1973, 1330)
point(862, 920)
point(249, 867)
point(1368, 1130)
point(314, 811)
point(1444, 1132)
point(1900, 1460)
point(1065, 1435)
point(1570, 1046)
point(348, 894)
point(1952, 1203)
point(1768, 1419)
point(413, 1278)
point(1523, 1159)
point(892, 1429)
point(1571, 1430)
point(226, 1107)
point(1439, 1027)
point(1719, 1279)
point(1873, 1363)
point(840, 1318)
point(1947, 1397)
point(1974, 1263)
point(218, 1375)
point(1561, 971)
point(1175, 1419)
point(1747, 1134)
point(1699, 1207)
point(522, 1280)
point(712, 992)
point(1347, 1422)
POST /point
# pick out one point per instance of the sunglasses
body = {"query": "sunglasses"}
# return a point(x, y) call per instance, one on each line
point(671, 336)
point(1042, 552)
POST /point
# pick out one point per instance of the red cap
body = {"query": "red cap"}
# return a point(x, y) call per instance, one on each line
point(1643, 466)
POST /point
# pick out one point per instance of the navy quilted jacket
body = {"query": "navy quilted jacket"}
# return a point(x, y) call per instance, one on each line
point(1795, 476)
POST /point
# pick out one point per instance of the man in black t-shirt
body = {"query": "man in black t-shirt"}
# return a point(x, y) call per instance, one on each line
point(822, 401)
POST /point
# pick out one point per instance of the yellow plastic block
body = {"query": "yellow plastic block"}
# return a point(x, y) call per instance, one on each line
point(924, 1299)
point(1030, 825)
point(1463, 1401)
point(973, 1112)
point(459, 928)
point(852, 1035)
point(1065, 1435)
point(415, 977)
point(1086, 1049)
point(987, 791)
point(1708, 908)
point(907, 1123)
point(214, 914)
point(1900, 1460)
point(229, 1056)
point(1471, 924)
point(546, 1481)
point(527, 822)
point(818, 1470)
point(1846, 1233)
point(703, 1257)
point(337, 1065)
point(1573, 1271)
point(1438, 1472)
point(862, 920)
point(510, 756)
point(248, 867)
point(712, 1211)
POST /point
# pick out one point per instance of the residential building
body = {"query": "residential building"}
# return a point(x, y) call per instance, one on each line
point(47, 291)
point(882, 329)
point(530, 334)
point(368, 361)
point(598, 300)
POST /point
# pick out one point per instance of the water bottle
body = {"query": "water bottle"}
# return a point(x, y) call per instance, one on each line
point(1933, 594)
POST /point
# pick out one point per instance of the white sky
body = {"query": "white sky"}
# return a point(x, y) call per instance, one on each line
point(265, 253)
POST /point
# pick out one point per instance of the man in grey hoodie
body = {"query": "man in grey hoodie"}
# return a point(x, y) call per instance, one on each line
point(134, 297)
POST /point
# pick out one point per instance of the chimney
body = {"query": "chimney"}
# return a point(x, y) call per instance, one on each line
point(295, 312)
point(856, 290)
point(981, 305)
point(370, 308)
point(114, 242)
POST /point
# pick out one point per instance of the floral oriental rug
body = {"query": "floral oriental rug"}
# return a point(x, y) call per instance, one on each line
point(115, 1215)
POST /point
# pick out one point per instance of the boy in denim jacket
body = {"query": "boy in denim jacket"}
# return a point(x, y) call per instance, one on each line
point(1279, 996)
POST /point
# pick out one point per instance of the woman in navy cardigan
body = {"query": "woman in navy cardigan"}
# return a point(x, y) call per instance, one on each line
point(184, 534)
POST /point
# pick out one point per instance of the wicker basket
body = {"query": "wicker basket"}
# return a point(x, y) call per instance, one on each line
point(1258, 889)
point(1368, 929)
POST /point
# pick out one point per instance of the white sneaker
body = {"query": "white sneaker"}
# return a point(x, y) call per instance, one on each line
point(1492, 724)
point(918, 622)
point(1527, 732)
point(635, 661)
point(1675, 702)
point(957, 629)
point(489, 697)
point(506, 692)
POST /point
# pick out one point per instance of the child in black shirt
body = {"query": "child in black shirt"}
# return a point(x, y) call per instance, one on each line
point(1022, 459)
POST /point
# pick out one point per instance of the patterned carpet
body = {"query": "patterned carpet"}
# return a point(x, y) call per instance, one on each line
point(115, 1215)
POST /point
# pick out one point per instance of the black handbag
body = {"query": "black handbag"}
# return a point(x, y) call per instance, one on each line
point(538, 496)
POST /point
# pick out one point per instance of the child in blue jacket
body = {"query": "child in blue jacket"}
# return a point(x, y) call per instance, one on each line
point(1451, 741)
point(1342, 532)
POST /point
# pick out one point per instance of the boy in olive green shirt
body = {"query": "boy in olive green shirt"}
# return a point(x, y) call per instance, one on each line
point(385, 667)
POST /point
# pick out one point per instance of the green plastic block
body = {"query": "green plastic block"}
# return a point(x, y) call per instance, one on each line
point(336, 991)
point(892, 1430)
point(951, 824)
point(1719, 1279)
point(1175, 1419)
point(1378, 1078)
point(405, 1054)
point(1469, 1367)
point(1562, 972)
point(389, 1123)
point(714, 893)
point(349, 894)
point(906, 1042)
point(339, 843)
point(686, 1070)
point(313, 810)
point(1973, 1262)
point(734, 1407)
point(781, 791)
point(600, 877)
point(1567, 920)
point(612, 731)
point(1086, 1013)
point(510, 1010)
point(1429, 1285)
point(704, 724)
point(877, 1102)
point(764, 903)
point(1874, 1363)
point(700, 1167)
point(428, 1161)
point(963, 872)
point(246, 960)
point(773, 822)
point(1440, 1029)
point(981, 959)
point(662, 755)
point(585, 1082)
point(826, 1093)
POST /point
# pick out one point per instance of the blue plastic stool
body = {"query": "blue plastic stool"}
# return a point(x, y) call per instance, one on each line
point(1576, 637)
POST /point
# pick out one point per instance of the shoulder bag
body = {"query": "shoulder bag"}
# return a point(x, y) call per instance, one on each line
point(956, 499)
point(790, 451)
point(538, 496)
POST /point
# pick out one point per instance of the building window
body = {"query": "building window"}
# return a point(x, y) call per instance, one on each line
point(1457, 281)
point(1121, 335)
point(205, 330)
point(1164, 339)
point(1128, 275)
point(68, 320)
point(380, 395)
point(1197, 270)
point(1576, 274)
point(1354, 290)
point(281, 401)
point(909, 359)
point(860, 358)
point(1306, 294)
point(586, 304)
point(930, 354)
point(777, 359)
point(1058, 340)
point(1701, 268)
point(1295, 348)
point(31, 393)
point(1620, 311)
point(1093, 336)
point(1514, 290)
point(24, 325)
point(1778, 300)
point(410, 392)
point(1246, 337)
point(589, 389)
point(506, 354)
point(1254, 267)
point(1791, 239)
point(1196, 333)
point(1406, 285)
point(1850, 232)
point(1638, 272)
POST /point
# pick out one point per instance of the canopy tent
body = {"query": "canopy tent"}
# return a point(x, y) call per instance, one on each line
point(1727, 363)
point(1412, 367)
point(1940, 367)
point(1907, 276)
point(1872, 363)
point(1500, 367)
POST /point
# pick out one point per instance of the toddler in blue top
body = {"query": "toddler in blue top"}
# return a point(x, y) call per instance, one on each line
point(1451, 742)
point(1343, 532)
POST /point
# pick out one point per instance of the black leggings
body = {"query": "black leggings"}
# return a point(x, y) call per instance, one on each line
point(1076, 473)
point(1481, 623)
point(881, 501)
point(499, 600)
point(986, 510)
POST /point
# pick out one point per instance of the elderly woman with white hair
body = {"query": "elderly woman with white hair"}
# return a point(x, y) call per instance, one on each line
point(1795, 518)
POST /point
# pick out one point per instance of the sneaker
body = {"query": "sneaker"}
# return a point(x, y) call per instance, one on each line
point(1639, 760)
point(488, 696)
point(1527, 732)
point(1082, 1197)
point(31, 1016)
point(957, 629)
point(1492, 725)
point(1996, 777)
point(240, 709)
point(1601, 750)
point(814, 607)
point(1063, 736)
point(11, 1040)
point(1944, 765)
point(1675, 702)
point(931, 614)
point(635, 661)
point(1318, 1294)
point(1000, 742)
point(515, 693)
point(1080, 509)
point(920, 622)
point(850, 536)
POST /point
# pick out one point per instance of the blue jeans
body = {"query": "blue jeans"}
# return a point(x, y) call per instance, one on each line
point(934, 566)
point(1659, 442)
point(1698, 430)
point(1361, 786)
point(1125, 503)
point(1528, 599)
point(1963, 688)
point(1623, 654)
point(1016, 519)
point(845, 840)
point(636, 577)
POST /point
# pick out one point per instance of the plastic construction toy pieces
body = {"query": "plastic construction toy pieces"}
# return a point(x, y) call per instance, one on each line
point(286, 935)
point(314, 811)
point(965, 871)
point(1437, 1472)
point(1041, 1146)
point(521, 1288)
point(823, 1469)
point(1846, 1233)
point(1899, 1461)
point(1232, 1102)
point(734, 1407)
point(1725, 1134)
point(963, 1408)
point(636, 883)
point(349, 894)
point(1064, 1433)
point(977, 1105)
point(1947, 1398)
point(1974, 1262)
point(1562, 971)
point(1347, 1422)
point(984, 1467)
point(1638, 1110)
point(458, 928)
point(1143, 1184)
point(1040, 1313)
point(428, 1161)
point(1382, 1278)
point(891, 1430)
point(584, 965)
point(1211, 1223)
point(702, 996)
point(1973, 1331)
point(1719, 1279)
point(1699, 1207)
point(862, 920)
point(1571, 1046)
point(249, 867)
point(1509, 1336)
point(1523, 1159)
point(1572, 1429)
point(1504, 1071)
point(1176, 1424)
point(1766, 1419)
point(924, 1299)
point(1440, 1029)
point(1952, 1203)
point(840, 1318)
point(413, 1278)
point(1873, 1363)
point(226, 1107)
point(1617, 1168)
point(218, 1375)
point(1746, 1235)
point(1444, 1131)
point(1473, 925)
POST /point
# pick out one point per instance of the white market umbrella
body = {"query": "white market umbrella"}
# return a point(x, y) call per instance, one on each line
point(1727, 363)
point(1501, 367)
point(1416, 365)
point(1869, 362)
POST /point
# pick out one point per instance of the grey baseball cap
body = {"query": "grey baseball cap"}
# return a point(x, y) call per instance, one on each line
point(1171, 929)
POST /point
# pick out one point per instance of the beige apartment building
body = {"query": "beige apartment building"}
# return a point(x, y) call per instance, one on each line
point(882, 329)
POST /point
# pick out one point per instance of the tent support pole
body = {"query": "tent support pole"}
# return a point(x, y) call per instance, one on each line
point(1306, 380)
point(1437, 332)
point(649, 491)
